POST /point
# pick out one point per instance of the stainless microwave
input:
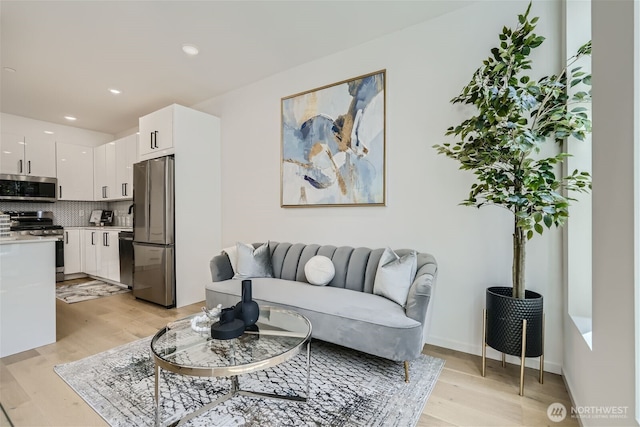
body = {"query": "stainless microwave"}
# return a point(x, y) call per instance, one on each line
point(28, 188)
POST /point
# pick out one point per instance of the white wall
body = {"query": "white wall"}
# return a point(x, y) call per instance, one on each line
point(426, 65)
point(71, 135)
point(605, 376)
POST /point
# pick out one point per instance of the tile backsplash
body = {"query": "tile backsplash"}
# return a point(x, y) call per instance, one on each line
point(71, 214)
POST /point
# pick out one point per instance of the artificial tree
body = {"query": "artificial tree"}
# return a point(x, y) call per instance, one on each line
point(516, 115)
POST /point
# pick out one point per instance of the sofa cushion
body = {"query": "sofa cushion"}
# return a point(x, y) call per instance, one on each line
point(319, 270)
point(253, 262)
point(232, 253)
point(395, 275)
point(344, 303)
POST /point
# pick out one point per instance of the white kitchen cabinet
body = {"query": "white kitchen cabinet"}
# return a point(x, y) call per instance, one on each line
point(109, 254)
point(12, 153)
point(104, 172)
point(126, 156)
point(102, 254)
point(91, 242)
point(72, 252)
point(32, 155)
point(113, 169)
point(75, 171)
point(157, 132)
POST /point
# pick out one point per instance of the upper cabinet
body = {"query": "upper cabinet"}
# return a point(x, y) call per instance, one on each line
point(30, 155)
point(113, 169)
point(126, 157)
point(104, 171)
point(157, 133)
point(75, 171)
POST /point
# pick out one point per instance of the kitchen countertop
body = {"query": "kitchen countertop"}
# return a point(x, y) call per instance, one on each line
point(105, 228)
point(26, 239)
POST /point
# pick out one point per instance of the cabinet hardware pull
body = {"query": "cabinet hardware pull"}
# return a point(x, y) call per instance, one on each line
point(124, 188)
point(19, 166)
point(92, 236)
point(155, 139)
point(66, 236)
point(29, 167)
point(60, 193)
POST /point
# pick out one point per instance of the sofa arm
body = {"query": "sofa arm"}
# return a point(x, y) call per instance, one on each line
point(421, 290)
point(220, 268)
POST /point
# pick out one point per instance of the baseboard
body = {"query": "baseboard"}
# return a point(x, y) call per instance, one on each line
point(534, 363)
point(74, 276)
point(573, 402)
point(104, 279)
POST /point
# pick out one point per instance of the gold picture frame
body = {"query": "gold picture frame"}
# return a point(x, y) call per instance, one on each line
point(333, 144)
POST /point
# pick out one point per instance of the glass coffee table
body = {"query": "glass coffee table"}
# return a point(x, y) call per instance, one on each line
point(280, 335)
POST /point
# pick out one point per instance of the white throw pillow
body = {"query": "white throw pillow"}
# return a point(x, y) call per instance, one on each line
point(232, 253)
point(319, 270)
point(395, 275)
point(253, 262)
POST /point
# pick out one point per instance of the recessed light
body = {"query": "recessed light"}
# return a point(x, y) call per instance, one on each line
point(70, 118)
point(9, 69)
point(48, 132)
point(190, 49)
point(115, 91)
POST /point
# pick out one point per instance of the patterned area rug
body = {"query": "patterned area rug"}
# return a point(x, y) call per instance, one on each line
point(88, 290)
point(347, 388)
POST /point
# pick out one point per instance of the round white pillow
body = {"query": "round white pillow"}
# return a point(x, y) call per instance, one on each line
point(319, 270)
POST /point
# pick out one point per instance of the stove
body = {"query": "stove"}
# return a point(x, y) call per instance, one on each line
point(35, 223)
point(40, 223)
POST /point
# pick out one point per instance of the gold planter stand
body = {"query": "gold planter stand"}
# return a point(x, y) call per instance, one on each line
point(522, 357)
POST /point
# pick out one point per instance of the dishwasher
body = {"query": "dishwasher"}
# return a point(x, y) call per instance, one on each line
point(125, 241)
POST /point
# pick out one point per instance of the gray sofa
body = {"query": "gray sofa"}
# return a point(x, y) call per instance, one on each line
point(345, 312)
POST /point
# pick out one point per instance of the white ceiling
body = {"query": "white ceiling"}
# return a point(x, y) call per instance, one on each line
point(67, 54)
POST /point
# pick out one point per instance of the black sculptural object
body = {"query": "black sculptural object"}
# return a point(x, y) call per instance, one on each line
point(228, 327)
point(247, 309)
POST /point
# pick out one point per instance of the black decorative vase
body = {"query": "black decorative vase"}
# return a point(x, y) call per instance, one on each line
point(247, 310)
point(504, 321)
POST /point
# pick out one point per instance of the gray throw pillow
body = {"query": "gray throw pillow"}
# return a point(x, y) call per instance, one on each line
point(395, 275)
point(253, 262)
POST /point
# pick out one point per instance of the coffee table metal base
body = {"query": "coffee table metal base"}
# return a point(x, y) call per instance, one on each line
point(234, 391)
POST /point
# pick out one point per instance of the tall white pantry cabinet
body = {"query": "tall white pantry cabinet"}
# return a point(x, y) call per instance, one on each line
point(193, 137)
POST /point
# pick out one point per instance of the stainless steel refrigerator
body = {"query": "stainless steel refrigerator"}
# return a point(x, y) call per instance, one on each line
point(153, 231)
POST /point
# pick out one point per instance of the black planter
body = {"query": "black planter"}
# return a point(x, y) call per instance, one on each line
point(504, 322)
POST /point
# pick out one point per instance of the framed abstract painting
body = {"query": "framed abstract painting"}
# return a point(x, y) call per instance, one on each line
point(333, 144)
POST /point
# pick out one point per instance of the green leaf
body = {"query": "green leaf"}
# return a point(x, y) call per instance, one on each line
point(548, 221)
point(538, 228)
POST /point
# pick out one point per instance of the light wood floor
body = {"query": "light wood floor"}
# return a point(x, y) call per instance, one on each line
point(32, 394)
